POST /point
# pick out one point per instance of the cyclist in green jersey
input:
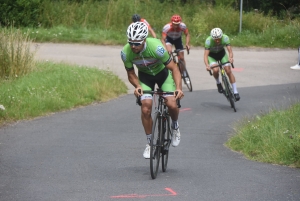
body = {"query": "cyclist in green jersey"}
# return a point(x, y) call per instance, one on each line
point(215, 51)
point(155, 66)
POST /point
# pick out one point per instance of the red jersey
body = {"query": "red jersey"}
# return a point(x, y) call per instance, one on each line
point(173, 33)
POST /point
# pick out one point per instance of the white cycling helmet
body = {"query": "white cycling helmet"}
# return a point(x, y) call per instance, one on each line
point(137, 31)
point(216, 33)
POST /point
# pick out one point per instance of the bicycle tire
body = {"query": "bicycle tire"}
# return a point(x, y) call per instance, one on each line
point(228, 92)
point(155, 145)
point(231, 98)
point(224, 85)
point(181, 66)
point(166, 143)
point(232, 103)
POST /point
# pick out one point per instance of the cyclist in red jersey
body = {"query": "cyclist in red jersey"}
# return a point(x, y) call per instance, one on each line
point(137, 18)
point(172, 35)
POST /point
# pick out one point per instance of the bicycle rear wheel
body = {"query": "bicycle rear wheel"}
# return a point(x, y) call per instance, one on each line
point(166, 143)
point(155, 145)
point(188, 83)
point(228, 92)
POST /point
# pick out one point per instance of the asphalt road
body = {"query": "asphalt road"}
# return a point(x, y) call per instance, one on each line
point(95, 152)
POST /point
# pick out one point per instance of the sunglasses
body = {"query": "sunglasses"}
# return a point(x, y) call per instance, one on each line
point(135, 43)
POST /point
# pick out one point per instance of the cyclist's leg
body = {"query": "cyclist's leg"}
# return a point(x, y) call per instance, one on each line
point(227, 66)
point(166, 82)
point(146, 108)
point(169, 85)
point(178, 45)
point(169, 44)
point(213, 63)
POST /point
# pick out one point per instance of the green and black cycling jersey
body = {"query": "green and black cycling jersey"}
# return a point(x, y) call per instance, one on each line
point(213, 47)
point(151, 60)
point(217, 51)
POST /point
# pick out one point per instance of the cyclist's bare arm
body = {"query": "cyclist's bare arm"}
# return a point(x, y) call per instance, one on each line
point(187, 40)
point(152, 32)
point(230, 53)
point(206, 53)
point(163, 40)
point(134, 80)
point(177, 78)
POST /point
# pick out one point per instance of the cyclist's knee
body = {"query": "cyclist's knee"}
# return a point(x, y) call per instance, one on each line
point(181, 55)
point(215, 70)
point(146, 112)
point(146, 108)
point(229, 72)
point(172, 105)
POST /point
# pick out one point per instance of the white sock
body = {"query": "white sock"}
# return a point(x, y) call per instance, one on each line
point(234, 88)
point(217, 80)
point(175, 124)
point(148, 138)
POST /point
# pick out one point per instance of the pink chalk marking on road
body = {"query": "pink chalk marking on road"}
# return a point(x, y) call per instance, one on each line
point(171, 193)
point(237, 69)
point(184, 109)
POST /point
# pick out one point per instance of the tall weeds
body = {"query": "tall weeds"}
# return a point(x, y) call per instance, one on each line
point(16, 57)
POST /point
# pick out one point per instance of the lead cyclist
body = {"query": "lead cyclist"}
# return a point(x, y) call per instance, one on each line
point(215, 51)
point(155, 66)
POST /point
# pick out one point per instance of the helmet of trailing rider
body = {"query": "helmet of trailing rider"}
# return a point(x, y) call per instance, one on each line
point(136, 18)
point(137, 31)
point(176, 19)
point(216, 33)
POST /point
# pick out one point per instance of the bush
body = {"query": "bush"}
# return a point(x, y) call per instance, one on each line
point(19, 12)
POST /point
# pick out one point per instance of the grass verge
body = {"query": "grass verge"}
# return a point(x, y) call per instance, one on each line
point(55, 87)
point(271, 138)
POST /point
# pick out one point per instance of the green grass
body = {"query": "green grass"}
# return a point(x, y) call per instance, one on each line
point(61, 34)
point(106, 22)
point(55, 87)
point(272, 138)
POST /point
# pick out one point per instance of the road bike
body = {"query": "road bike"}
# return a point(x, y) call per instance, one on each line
point(161, 131)
point(184, 75)
point(227, 88)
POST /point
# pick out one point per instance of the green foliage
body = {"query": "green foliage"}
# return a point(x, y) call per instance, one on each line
point(224, 2)
point(19, 12)
point(279, 8)
point(90, 22)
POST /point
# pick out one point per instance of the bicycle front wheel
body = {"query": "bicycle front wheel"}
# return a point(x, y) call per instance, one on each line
point(155, 145)
point(166, 142)
point(229, 92)
point(231, 100)
point(185, 76)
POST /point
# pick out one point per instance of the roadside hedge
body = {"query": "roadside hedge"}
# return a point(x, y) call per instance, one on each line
point(19, 12)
